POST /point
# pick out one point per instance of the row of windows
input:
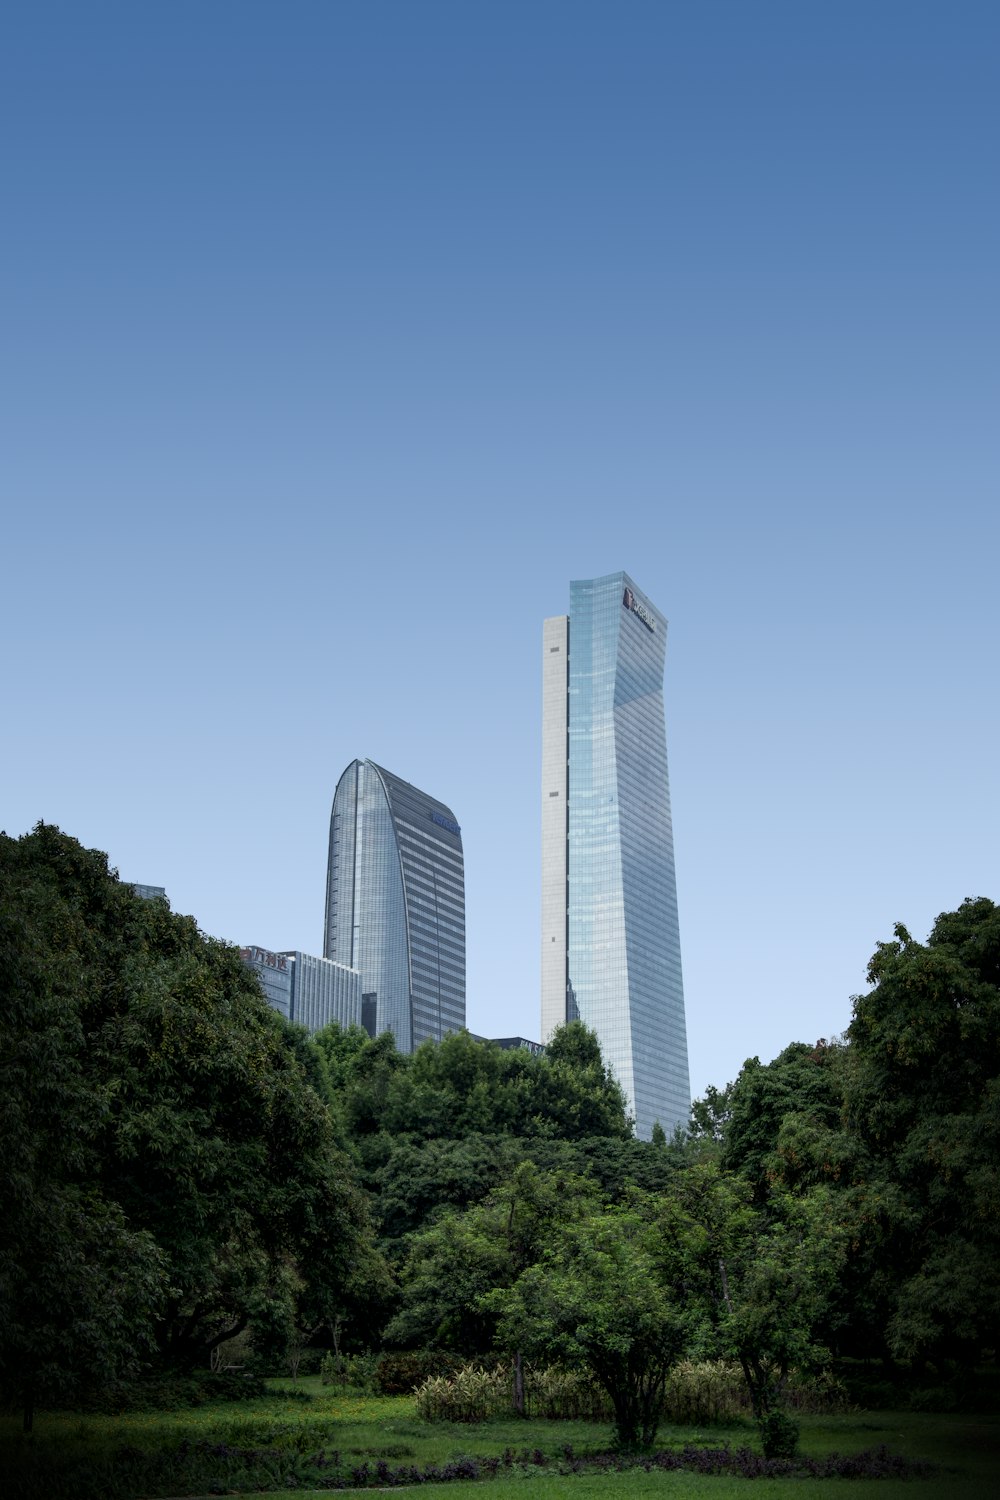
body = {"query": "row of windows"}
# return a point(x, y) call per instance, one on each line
point(429, 962)
point(432, 953)
point(427, 864)
point(429, 980)
point(429, 975)
point(431, 896)
point(431, 873)
point(416, 851)
point(424, 877)
point(439, 925)
point(411, 833)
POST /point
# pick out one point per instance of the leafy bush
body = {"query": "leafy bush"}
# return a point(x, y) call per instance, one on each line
point(352, 1371)
point(474, 1394)
point(399, 1374)
point(954, 1390)
point(563, 1395)
point(703, 1392)
point(177, 1392)
point(821, 1395)
point(697, 1394)
point(308, 1361)
point(239, 1354)
point(779, 1435)
point(714, 1391)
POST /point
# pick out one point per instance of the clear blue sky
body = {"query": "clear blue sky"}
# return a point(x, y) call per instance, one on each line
point(337, 337)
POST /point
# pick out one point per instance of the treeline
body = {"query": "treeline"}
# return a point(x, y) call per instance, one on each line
point(444, 1128)
point(180, 1166)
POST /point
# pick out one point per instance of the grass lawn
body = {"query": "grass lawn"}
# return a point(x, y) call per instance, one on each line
point(258, 1446)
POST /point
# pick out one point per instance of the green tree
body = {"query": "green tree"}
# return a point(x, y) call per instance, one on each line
point(337, 1049)
point(923, 1102)
point(420, 1179)
point(201, 1134)
point(802, 1081)
point(758, 1283)
point(80, 1289)
point(599, 1299)
point(455, 1262)
point(777, 1284)
point(447, 1126)
point(710, 1116)
point(460, 1087)
point(578, 1096)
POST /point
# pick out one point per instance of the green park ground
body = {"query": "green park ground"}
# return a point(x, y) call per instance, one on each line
point(136, 1455)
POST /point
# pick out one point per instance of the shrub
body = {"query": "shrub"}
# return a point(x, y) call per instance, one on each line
point(306, 1361)
point(821, 1395)
point(707, 1391)
point(176, 1392)
point(779, 1435)
point(563, 1395)
point(356, 1371)
point(238, 1354)
point(399, 1374)
point(697, 1394)
point(702, 1392)
point(474, 1394)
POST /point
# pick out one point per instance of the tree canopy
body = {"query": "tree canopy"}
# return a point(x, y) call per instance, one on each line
point(923, 1100)
point(178, 1163)
point(158, 1110)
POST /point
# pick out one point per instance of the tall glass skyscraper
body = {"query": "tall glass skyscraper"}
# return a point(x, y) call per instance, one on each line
point(610, 941)
point(395, 904)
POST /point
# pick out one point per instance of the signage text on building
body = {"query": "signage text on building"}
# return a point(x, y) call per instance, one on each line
point(264, 956)
point(629, 601)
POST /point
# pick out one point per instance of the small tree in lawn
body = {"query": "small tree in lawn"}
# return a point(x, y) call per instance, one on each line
point(456, 1262)
point(757, 1284)
point(598, 1300)
point(775, 1289)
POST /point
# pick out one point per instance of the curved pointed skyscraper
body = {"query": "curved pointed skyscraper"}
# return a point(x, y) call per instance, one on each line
point(610, 941)
point(395, 904)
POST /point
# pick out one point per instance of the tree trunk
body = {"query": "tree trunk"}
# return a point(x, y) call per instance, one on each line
point(628, 1435)
point(755, 1387)
point(519, 1385)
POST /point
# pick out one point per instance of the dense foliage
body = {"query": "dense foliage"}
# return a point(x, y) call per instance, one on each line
point(179, 1166)
point(902, 1121)
point(170, 1173)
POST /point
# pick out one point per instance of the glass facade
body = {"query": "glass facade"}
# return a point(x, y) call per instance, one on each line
point(274, 970)
point(621, 969)
point(395, 904)
point(308, 990)
point(148, 892)
point(323, 992)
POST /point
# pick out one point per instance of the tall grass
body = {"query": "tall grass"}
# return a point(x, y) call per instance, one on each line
point(700, 1394)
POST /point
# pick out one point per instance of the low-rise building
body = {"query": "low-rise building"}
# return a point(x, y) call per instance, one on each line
point(308, 990)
